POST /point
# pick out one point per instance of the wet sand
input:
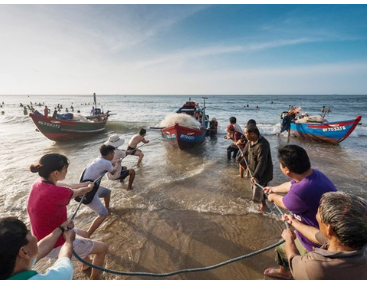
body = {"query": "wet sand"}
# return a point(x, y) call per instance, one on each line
point(166, 241)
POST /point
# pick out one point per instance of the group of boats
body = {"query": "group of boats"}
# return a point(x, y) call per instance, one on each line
point(182, 136)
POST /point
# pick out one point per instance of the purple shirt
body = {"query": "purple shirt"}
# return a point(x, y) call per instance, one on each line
point(302, 201)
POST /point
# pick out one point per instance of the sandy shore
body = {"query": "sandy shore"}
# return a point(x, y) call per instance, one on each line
point(166, 241)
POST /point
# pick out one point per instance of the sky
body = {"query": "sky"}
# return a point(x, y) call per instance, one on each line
point(183, 49)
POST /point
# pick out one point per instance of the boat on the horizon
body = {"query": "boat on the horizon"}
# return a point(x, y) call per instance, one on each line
point(316, 128)
point(185, 137)
point(70, 125)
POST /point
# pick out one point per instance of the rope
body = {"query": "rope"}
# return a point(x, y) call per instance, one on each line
point(179, 271)
point(262, 187)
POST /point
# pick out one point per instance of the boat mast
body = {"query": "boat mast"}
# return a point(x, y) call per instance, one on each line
point(203, 113)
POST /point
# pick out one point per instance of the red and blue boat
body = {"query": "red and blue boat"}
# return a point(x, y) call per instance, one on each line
point(70, 126)
point(329, 132)
point(57, 129)
point(186, 137)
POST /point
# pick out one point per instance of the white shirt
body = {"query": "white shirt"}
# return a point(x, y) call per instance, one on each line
point(237, 128)
point(97, 168)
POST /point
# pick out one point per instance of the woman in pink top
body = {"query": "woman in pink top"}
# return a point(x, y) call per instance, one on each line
point(47, 207)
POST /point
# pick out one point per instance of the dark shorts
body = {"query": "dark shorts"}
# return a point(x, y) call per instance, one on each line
point(133, 150)
point(123, 175)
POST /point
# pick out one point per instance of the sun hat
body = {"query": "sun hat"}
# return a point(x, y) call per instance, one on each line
point(115, 141)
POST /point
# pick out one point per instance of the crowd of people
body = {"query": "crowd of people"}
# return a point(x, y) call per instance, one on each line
point(52, 234)
point(47, 113)
point(328, 240)
point(330, 237)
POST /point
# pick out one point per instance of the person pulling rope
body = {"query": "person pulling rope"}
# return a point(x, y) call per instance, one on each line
point(262, 187)
point(95, 183)
point(174, 272)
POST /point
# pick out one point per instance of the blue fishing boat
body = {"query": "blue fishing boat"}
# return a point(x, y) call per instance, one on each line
point(330, 132)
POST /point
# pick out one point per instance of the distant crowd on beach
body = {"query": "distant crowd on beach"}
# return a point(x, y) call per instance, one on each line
point(326, 237)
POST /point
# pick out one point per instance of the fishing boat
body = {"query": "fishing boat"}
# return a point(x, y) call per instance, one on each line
point(316, 128)
point(70, 125)
point(185, 137)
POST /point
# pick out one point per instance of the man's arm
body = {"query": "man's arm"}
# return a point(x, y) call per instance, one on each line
point(308, 231)
point(117, 165)
point(277, 199)
point(144, 140)
point(289, 236)
point(67, 248)
point(282, 188)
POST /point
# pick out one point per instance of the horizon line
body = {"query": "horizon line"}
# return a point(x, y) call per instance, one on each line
point(185, 94)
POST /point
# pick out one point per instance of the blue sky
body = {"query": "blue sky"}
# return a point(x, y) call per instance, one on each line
point(183, 49)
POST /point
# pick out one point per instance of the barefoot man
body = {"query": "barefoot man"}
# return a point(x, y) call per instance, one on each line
point(132, 146)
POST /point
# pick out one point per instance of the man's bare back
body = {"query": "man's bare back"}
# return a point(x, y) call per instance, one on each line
point(135, 140)
point(132, 146)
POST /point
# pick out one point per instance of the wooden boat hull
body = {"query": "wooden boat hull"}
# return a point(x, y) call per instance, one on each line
point(183, 137)
point(331, 132)
point(60, 130)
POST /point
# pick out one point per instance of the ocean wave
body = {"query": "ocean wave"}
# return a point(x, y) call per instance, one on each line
point(16, 119)
point(359, 131)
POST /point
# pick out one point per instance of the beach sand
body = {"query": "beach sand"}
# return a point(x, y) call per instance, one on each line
point(166, 241)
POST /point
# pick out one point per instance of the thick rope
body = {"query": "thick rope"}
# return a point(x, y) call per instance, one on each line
point(178, 271)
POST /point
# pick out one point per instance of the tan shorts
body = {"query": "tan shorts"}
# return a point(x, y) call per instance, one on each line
point(82, 247)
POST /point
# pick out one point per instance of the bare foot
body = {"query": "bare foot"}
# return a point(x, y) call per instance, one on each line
point(277, 272)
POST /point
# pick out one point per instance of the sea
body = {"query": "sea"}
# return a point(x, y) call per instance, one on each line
point(188, 209)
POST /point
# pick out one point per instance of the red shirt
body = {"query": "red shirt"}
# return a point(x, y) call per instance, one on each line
point(46, 207)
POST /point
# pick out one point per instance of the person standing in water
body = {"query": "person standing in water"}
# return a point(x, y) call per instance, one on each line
point(122, 171)
point(46, 111)
point(132, 146)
